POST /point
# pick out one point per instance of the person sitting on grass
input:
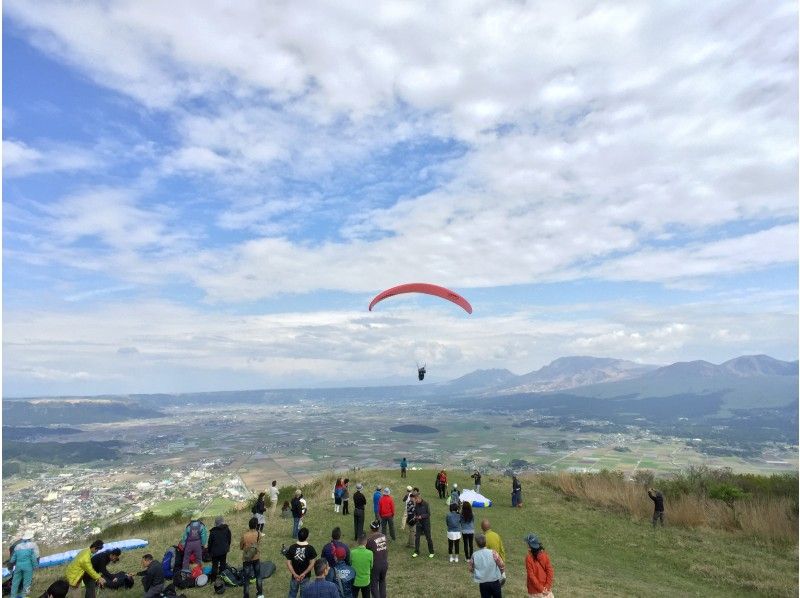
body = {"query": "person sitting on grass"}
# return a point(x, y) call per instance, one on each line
point(152, 577)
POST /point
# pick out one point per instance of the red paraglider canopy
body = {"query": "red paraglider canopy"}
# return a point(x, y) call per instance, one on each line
point(423, 287)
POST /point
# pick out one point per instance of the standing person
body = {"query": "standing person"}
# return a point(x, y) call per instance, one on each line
point(81, 566)
point(516, 492)
point(219, 545)
point(403, 467)
point(259, 509)
point(251, 558)
point(376, 497)
point(477, 478)
point(386, 512)
point(100, 563)
point(273, 497)
point(299, 560)
point(346, 497)
point(297, 512)
point(195, 536)
point(467, 527)
point(422, 515)
point(409, 519)
point(658, 504)
point(152, 577)
point(453, 522)
point(359, 505)
point(336, 551)
point(25, 559)
point(455, 496)
point(443, 484)
point(376, 542)
point(539, 569)
point(338, 490)
point(493, 539)
point(487, 569)
point(303, 509)
point(362, 559)
point(321, 587)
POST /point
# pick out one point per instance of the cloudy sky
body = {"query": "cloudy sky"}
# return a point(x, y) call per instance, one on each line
point(206, 195)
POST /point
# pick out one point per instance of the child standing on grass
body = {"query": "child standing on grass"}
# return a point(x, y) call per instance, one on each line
point(539, 569)
point(453, 521)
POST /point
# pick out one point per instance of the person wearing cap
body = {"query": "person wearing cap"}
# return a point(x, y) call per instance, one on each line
point(455, 496)
point(376, 497)
point(386, 512)
point(409, 519)
point(539, 569)
point(24, 559)
point(422, 515)
point(487, 569)
point(219, 545)
point(81, 566)
point(359, 505)
point(406, 498)
point(376, 542)
point(493, 539)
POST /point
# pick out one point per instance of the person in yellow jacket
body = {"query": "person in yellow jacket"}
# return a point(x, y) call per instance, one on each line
point(81, 566)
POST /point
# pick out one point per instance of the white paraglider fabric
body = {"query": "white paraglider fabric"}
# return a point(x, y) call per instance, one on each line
point(475, 499)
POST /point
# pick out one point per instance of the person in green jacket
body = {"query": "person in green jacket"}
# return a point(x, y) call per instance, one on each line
point(361, 560)
point(81, 566)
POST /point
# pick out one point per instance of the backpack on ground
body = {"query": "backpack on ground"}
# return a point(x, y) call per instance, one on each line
point(219, 586)
point(267, 569)
point(231, 576)
point(168, 562)
point(183, 579)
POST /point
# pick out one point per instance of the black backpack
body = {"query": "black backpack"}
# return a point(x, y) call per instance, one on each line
point(219, 586)
point(231, 576)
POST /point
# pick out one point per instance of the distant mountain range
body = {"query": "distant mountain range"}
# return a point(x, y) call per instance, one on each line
point(751, 381)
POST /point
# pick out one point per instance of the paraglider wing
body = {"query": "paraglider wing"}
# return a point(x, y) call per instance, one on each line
point(426, 288)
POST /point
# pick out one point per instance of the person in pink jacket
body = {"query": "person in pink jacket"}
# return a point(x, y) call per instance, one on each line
point(386, 512)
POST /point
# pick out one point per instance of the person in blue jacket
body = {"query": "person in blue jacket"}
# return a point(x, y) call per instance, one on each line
point(376, 496)
point(25, 559)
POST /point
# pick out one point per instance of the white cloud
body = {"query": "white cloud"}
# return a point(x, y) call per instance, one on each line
point(20, 159)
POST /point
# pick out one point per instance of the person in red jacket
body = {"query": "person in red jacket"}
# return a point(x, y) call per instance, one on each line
point(539, 569)
point(386, 512)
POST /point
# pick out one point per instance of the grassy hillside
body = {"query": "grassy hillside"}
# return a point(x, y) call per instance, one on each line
point(594, 552)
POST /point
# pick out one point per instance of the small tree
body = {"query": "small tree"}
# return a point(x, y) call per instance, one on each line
point(644, 477)
point(729, 495)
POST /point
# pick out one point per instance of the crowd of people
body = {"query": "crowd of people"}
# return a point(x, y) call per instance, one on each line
point(361, 570)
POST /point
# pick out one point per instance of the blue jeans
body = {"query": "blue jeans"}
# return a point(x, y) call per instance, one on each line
point(250, 570)
point(295, 585)
point(295, 527)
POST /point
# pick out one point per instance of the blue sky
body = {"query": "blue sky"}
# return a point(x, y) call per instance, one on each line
point(210, 202)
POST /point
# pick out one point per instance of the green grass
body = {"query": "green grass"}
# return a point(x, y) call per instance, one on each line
point(594, 552)
point(168, 507)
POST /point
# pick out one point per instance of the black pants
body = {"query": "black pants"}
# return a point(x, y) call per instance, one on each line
point(91, 586)
point(345, 507)
point(365, 591)
point(452, 546)
point(423, 528)
point(402, 472)
point(377, 581)
point(252, 569)
point(358, 522)
point(467, 544)
point(490, 589)
point(218, 565)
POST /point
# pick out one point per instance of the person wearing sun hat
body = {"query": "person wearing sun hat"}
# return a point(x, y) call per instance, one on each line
point(539, 569)
point(25, 559)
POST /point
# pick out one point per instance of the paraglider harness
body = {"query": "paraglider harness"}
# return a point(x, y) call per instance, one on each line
point(421, 372)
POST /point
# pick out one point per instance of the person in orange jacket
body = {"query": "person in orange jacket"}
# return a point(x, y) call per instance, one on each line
point(539, 569)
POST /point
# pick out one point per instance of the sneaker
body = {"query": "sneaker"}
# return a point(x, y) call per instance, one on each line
point(415, 555)
point(455, 559)
point(430, 556)
point(260, 596)
point(450, 556)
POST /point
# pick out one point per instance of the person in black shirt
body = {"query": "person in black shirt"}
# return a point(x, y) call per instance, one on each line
point(100, 562)
point(57, 589)
point(359, 504)
point(477, 477)
point(152, 577)
point(658, 501)
point(297, 512)
point(299, 560)
point(219, 545)
point(422, 515)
